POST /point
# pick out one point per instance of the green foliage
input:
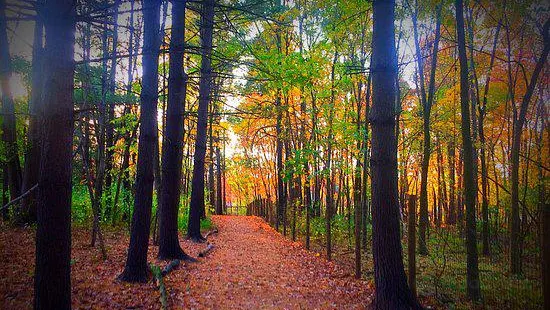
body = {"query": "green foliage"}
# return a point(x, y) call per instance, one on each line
point(81, 210)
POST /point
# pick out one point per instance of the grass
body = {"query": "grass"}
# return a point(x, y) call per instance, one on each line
point(441, 275)
point(81, 211)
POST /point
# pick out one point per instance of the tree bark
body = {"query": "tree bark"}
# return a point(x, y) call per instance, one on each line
point(472, 275)
point(515, 234)
point(211, 177)
point(330, 180)
point(52, 282)
point(426, 111)
point(9, 134)
point(451, 218)
point(122, 177)
point(484, 173)
point(5, 190)
point(546, 254)
point(411, 237)
point(136, 263)
point(357, 194)
point(281, 194)
point(392, 291)
point(365, 201)
point(172, 146)
point(32, 154)
point(205, 85)
point(219, 189)
point(109, 126)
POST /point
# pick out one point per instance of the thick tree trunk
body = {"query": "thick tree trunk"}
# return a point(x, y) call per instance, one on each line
point(172, 147)
point(472, 275)
point(136, 263)
point(9, 134)
point(32, 155)
point(205, 85)
point(52, 282)
point(392, 291)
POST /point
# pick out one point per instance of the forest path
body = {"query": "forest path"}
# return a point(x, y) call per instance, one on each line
point(251, 267)
point(254, 267)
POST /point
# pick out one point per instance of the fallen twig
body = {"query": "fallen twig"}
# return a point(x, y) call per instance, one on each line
point(157, 276)
point(213, 231)
point(171, 266)
point(205, 252)
point(16, 200)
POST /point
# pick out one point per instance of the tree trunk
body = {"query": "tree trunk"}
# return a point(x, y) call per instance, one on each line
point(211, 178)
point(392, 291)
point(365, 199)
point(219, 189)
point(96, 194)
point(411, 237)
point(484, 173)
point(129, 138)
point(136, 263)
point(157, 183)
point(472, 275)
point(9, 133)
point(546, 254)
point(205, 84)
point(451, 218)
point(52, 281)
point(460, 191)
point(515, 238)
point(172, 148)
point(32, 155)
point(279, 154)
point(426, 111)
point(5, 190)
point(109, 127)
point(121, 178)
point(330, 180)
point(357, 195)
point(442, 184)
point(423, 218)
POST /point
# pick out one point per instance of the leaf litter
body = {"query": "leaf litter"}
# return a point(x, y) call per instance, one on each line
point(252, 266)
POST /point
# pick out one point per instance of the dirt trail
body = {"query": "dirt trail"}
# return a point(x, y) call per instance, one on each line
point(254, 267)
point(251, 267)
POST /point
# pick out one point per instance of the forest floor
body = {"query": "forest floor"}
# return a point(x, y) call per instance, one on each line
point(251, 267)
